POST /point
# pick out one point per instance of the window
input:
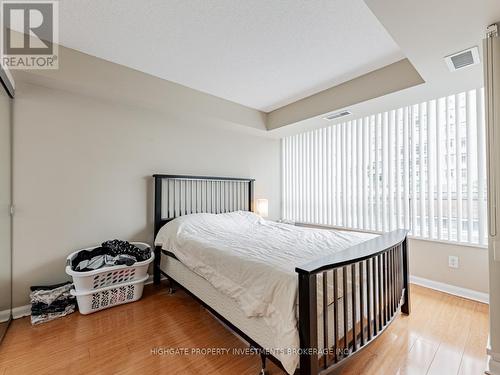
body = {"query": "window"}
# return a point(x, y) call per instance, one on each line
point(396, 169)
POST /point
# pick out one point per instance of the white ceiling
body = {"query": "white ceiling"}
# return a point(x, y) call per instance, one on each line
point(259, 53)
point(429, 30)
point(426, 31)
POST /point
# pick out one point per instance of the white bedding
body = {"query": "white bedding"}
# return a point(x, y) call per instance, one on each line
point(253, 261)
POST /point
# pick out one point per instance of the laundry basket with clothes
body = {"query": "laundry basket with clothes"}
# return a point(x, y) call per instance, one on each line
point(108, 275)
point(110, 253)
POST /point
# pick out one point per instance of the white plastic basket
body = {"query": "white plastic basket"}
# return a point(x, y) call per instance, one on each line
point(108, 276)
point(114, 295)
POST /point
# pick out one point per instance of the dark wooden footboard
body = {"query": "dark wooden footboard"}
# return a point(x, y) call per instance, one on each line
point(369, 284)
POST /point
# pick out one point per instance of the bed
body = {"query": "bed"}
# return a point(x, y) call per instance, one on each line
point(308, 299)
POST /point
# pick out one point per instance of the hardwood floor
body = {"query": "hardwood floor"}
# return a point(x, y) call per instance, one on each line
point(444, 335)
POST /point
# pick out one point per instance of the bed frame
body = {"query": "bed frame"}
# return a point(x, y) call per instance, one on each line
point(380, 264)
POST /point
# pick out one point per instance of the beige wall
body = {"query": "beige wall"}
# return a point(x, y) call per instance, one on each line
point(429, 260)
point(82, 167)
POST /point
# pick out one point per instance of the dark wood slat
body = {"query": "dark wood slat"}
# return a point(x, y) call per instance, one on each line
point(401, 277)
point(386, 297)
point(400, 270)
point(400, 267)
point(400, 283)
point(185, 197)
point(308, 323)
point(389, 284)
point(157, 219)
point(391, 265)
point(344, 298)
point(336, 317)
point(368, 299)
point(250, 195)
point(362, 301)
point(380, 303)
point(325, 318)
point(405, 308)
point(225, 200)
point(195, 197)
point(206, 197)
point(173, 199)
point(394, 281)
point(213, 198)
point(218, 193)
point(389, 313)
point(353, 295)
point(158, 203)
point(227, 196)
point(220, 204)
point(376, 301)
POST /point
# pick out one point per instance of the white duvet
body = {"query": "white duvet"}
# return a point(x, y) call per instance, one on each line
point(253, 261)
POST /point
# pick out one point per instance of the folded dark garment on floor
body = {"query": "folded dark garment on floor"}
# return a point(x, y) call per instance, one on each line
point(56, 304)
point(48, 287)
point(51, 293)
point(42, 318)
point(41, 308)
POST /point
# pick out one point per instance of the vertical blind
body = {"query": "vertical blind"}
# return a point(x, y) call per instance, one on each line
point(420, 167)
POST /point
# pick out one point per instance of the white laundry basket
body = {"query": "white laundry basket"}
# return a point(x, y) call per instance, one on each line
point(108, 286)
point(114, 295)
point(102, 277)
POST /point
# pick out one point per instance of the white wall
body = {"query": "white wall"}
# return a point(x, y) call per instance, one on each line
point(429, 260)
point(83, 166)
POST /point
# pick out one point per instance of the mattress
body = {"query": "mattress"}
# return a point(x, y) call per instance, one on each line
point(252, 261)
point(254, 327)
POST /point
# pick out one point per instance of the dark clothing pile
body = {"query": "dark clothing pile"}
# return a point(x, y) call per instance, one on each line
point(51, 302)
point(110, 253)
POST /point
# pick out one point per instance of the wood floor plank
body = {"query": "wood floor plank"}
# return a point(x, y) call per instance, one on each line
point(444, 334)
point(474, 357)
point(419, 358)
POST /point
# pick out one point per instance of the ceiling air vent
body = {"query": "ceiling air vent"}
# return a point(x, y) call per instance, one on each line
point(337, 115)
point(462, 59)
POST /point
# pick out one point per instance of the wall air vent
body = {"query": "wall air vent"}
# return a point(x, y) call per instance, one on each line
point(462, 59)
point(336, 115)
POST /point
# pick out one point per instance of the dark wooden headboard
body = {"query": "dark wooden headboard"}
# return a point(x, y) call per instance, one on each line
point(178, 195)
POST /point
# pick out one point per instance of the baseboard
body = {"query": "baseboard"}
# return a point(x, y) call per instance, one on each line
point(21, 311)
point(4, 316)
point(493, 361)
point(493, 367)
point(450, 289)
